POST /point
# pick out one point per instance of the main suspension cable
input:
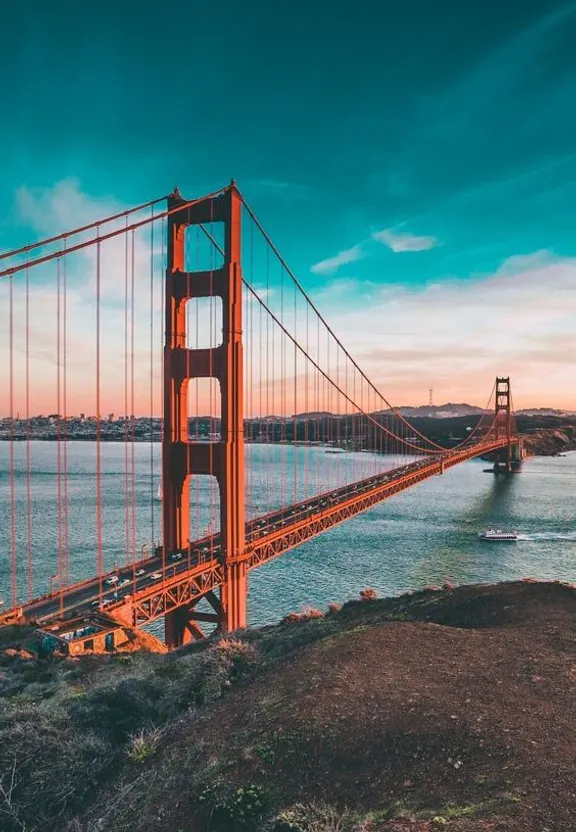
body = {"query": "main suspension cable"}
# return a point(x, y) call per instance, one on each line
point(66, 234)
point(329, 329)
point(100, 238)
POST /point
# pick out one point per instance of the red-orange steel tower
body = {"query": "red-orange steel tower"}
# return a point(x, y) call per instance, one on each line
point(503, 404)
point(224, 459)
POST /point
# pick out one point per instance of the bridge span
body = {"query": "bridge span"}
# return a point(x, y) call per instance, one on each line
point(240, 341)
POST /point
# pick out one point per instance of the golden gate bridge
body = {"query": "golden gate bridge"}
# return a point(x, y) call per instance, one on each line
point(188, 309)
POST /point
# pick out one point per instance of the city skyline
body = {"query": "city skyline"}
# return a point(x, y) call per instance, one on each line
point(424, 197)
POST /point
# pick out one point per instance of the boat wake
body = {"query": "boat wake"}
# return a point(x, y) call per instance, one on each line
point(538, 536)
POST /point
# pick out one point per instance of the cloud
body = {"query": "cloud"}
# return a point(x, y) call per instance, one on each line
point(279, 187)
point(404, 241)
point(458, 334)
point(454, 335)
point(48, 212)
point(51, 211)
point(332, 264)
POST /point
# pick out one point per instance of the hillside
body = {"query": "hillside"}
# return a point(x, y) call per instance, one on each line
point(551, 441)
point(442, 411)
point(451, 708)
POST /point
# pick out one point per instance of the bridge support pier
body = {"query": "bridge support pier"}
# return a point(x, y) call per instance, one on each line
point(182, 625)
point(180, 628)
point(233, 598)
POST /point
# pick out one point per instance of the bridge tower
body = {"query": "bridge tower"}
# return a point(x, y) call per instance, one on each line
point(224, 459)
point(503, 405)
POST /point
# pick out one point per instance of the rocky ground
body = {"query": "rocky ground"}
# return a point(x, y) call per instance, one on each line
point(550, 442)
point(449, 708)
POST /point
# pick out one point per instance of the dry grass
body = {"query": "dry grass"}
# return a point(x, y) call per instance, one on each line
point(306, 614)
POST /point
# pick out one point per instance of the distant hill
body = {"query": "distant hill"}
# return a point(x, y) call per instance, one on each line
point(320, 414)
point(451, 410)
point(546, 411)
point(442, 411)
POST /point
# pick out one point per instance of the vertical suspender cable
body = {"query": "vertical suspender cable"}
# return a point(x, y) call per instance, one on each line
point(132, 407)
point(261, 461)
point(13, 564)
point(283, 397)
point(306, 400)
point(152, 535)
point(268, 379)
point(28, 433)
point(346, 425)
point(196, 481)
point(126, 408)
point(98, 459)
point(339, 472)
point(295, 409)
point(250, 377)
point(162, 336)
point(58, 447)
point(317, 407)
point(66, 547)
point(187, 344)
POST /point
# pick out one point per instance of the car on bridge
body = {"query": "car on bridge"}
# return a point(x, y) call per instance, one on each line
point(113, 579)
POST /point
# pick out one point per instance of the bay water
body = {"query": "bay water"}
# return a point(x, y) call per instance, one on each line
point(426, 535)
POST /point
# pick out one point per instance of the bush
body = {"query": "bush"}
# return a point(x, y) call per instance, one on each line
point(305, 615)
point(143, 744)
point(120, 709)
point(241, 655)
point(314, 817)
point(229, 810)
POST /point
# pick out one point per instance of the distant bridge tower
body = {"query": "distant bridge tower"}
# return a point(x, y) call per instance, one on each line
point(431, 397)
point(224, 459)
point(503, 406)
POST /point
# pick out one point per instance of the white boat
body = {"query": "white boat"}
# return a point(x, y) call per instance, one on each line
point(498, 535)
point(159, 494)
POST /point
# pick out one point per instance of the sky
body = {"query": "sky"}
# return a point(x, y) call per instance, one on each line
point(415, 163)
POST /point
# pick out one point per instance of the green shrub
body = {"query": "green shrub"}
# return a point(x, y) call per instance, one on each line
point(143, 744)
point(233, 810)
point(313, 817)
point(118, 710)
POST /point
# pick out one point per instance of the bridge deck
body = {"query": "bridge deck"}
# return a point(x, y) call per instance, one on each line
point(151, 588)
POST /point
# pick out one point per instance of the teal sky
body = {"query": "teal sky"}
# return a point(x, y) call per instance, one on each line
point(430, 142)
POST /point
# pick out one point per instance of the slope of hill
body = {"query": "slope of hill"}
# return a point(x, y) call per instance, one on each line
point(442, 411)
point(443, 708)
